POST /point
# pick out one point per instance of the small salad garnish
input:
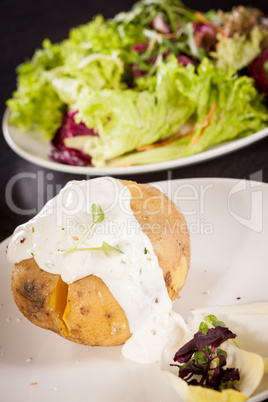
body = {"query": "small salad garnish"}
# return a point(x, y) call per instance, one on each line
point(209, 365)
point(202, 361)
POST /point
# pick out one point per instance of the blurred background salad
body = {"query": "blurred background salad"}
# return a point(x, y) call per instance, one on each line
point(158, 81)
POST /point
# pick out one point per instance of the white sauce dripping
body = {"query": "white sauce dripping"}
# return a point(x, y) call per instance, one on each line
point(133, 276)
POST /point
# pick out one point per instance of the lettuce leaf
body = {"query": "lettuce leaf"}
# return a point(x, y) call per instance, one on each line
point(227, 107)
point(95, 71)
point(238, 51)
point(93, 56)
point(102, 36)
point(35, 103)
point(128, 119)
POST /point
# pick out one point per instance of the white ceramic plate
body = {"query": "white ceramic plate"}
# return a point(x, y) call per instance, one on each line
point(228, 223)
point(33, 148)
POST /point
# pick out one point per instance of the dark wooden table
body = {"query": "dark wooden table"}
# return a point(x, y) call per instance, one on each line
point(26, 187)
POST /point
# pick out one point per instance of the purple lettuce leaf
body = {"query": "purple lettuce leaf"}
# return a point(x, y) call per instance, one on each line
point(214, 338)
point(205, 36)
point(259, 71)
point(69, 128)
point(202, 361)
point(158, 24)
point(190, 369)
point(137, 72)
point(184, 60)
point(140, 47)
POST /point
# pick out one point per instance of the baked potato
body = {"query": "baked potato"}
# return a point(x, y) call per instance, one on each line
point(85, 311)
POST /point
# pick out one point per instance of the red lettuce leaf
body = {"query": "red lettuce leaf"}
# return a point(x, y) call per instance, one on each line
point(214, 338)
point(69, 128)
point(258, 72)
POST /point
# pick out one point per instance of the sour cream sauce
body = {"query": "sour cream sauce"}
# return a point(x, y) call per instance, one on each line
point(133, 276)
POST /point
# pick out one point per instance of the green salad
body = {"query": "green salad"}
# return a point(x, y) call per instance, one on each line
point(156, 83)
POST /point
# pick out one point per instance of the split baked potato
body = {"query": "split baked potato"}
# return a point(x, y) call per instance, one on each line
point(85, 311)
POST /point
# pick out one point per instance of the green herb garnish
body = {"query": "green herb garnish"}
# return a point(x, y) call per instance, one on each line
point(98, 217)
point(104, 247)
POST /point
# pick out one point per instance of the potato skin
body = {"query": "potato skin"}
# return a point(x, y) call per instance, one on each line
point(32, 288)
point(85, 311)
point(166, 228)
point(94, 317)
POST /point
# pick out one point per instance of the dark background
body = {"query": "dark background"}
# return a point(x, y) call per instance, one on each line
point(23, 26)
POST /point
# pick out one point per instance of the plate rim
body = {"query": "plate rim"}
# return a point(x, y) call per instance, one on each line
point(220, 150)
point(220, 181)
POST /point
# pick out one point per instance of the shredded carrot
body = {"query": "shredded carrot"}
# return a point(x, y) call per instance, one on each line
point(145, 147)
point(208, 117)
point(203, 19)
point(189, 134)
point(169, 140)
point(196, 139)
point(168, 35)
point(176, 136)
point(206, 123)
point(152, 43)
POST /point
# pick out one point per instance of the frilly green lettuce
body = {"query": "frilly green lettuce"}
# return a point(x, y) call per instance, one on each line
point(102, 36)
point(226, 107)
point(238, 51)
point(128, 119)
point(35, 103)
point(95, 72)
point(91, 57)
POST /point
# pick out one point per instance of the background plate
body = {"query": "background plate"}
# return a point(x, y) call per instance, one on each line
point(31, 146)
point(229, 229)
